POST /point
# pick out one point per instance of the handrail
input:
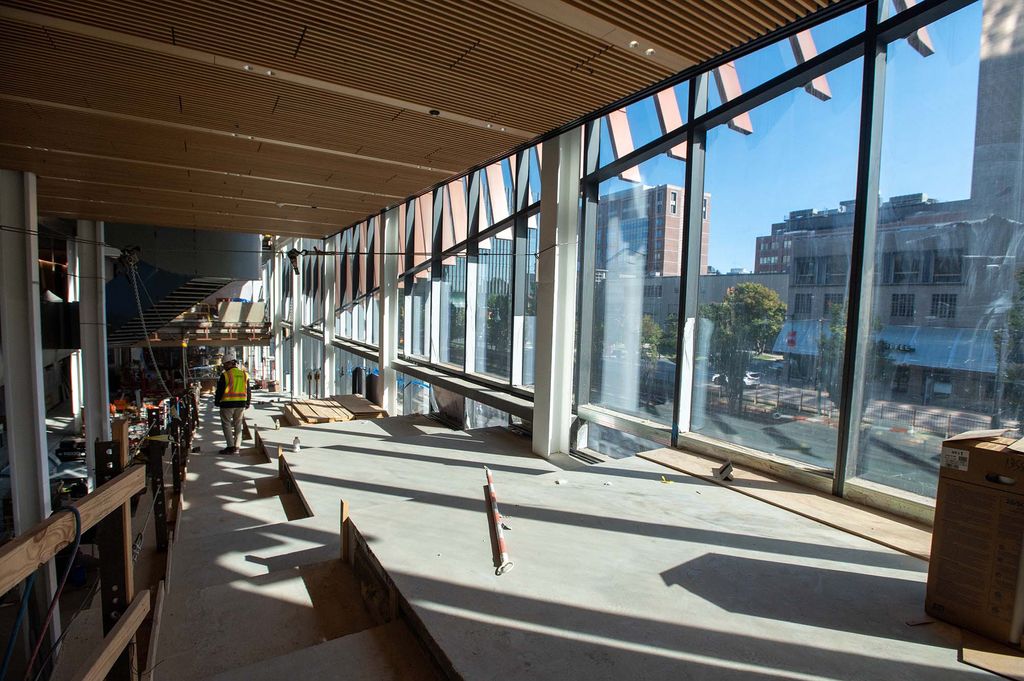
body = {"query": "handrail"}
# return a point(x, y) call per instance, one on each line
point(24, 554)
point(103, 659)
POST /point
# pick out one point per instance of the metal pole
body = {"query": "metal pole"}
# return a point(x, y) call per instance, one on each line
point(25, 408)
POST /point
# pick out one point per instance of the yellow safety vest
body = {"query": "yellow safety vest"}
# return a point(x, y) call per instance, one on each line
point(236, 384)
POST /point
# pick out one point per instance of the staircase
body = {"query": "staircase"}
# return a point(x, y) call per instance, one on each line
point(257, 589)
point(163, 296)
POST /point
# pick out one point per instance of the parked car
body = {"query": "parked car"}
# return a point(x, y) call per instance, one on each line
point(752, 379)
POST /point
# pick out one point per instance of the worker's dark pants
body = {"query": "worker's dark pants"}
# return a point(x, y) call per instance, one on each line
point(231, 421)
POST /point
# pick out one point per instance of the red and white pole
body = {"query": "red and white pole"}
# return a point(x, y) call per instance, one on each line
point(505, 564)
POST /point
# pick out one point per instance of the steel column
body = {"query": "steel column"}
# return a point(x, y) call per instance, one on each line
point(330, 273)
point(387, 317)
point(23, 375)
point(862, 255)
point(93, 329)
point(556, 293)
point(693, 221)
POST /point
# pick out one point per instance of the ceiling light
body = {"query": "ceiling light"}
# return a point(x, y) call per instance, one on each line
point(234, 134)
point(649, 51)
point(488, 125)
point(434, 112)
point(247, 67)
point(633, 44)
point(269, 72)
point(503, 129)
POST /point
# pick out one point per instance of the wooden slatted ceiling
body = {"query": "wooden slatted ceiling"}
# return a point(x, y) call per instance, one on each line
point(128, 114)
point(477, 58)
point(700, 29)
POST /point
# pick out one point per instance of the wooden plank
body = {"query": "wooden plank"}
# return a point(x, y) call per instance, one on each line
point(877, 526)
point(154, 631)
point(992, 656)
point(21, 556)
point(345, 531)
point(116, 641)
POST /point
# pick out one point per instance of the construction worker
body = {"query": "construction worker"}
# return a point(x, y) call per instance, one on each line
point(233, 397)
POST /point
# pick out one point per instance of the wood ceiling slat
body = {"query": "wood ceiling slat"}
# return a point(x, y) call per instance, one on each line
point(135, 133)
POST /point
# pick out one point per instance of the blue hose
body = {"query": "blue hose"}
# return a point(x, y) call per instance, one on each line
point(29, 582)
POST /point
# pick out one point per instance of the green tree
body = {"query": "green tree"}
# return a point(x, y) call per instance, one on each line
point(744, 324)
point(670, 332)
point(1009, 349)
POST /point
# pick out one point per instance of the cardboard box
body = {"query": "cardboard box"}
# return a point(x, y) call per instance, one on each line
point(976, 571)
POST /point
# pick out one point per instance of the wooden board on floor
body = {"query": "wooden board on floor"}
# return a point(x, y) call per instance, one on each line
point(360, 407)
point(877, 526)
point(992, 656)
point(289, 417)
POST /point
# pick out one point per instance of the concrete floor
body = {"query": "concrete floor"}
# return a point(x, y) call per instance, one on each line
point(257, 593)
point(618, 574)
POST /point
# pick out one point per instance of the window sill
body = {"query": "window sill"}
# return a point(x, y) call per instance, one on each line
point(634, 425)
point(498, 397)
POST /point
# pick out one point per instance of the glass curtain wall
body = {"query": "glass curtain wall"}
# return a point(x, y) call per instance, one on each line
point(752, 276)
point(768, 263)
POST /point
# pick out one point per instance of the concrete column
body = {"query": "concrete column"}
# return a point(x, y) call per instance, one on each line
point(276, 314)
point(298, 371)
point(92, 316)
point(330, 276)
point(387, 319)
point(556, 293)
point(75, 361)
point(23, 373)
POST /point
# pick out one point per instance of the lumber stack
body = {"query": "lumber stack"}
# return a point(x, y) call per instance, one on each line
point(333, 410)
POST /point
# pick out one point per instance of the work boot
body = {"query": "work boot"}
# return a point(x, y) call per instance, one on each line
point(226, 450)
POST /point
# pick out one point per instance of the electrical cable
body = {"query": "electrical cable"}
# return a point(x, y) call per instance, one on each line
point(133, 278)
point(22, 610)
point(60, 589)
point(66, 628)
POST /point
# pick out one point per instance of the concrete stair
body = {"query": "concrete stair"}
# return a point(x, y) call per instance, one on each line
point(257, 590)
point(384, 653)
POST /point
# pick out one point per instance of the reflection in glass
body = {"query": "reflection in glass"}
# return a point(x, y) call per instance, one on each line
point(637, 260)
point(771, 324)
point(452, 343)
point(494, 305)
point(943, 353)
point(418, 314)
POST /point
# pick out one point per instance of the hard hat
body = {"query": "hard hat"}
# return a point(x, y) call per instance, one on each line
point(229, 356)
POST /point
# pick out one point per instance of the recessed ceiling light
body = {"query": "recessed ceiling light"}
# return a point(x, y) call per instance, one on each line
point(247, 67)
point(488, 125)
point(434, 112)
point(633, 44)
point(234, 134)
point(269, 72)
point(503, 129)
point(649, 51)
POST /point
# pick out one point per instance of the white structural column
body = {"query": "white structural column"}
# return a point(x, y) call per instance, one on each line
point(298, 371)
point(387, 318)
point(556, 293)
point(330, 273)
point(23, 369)
point(92, 317)
point(276, 307)
point(75, 360)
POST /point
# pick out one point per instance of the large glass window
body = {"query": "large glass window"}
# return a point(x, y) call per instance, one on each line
point(529, 258)
point(636, 249)
point(452, 325)
point(769, 352)
point(943, 351)
point(494, 305)
point(417, 315)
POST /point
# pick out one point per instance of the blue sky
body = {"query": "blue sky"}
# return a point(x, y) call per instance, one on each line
point(803, 151)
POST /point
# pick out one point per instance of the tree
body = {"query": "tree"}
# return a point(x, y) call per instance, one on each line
point(670, 332)
point(745, 323)
point(1009, 349)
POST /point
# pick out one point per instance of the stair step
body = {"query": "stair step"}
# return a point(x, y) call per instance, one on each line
point(224, 627)
point(218, 558)
point(384, 653)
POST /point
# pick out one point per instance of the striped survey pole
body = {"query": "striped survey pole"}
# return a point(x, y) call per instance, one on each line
point(505, 564)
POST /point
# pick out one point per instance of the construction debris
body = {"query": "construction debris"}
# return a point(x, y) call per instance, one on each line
point(333, 410)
